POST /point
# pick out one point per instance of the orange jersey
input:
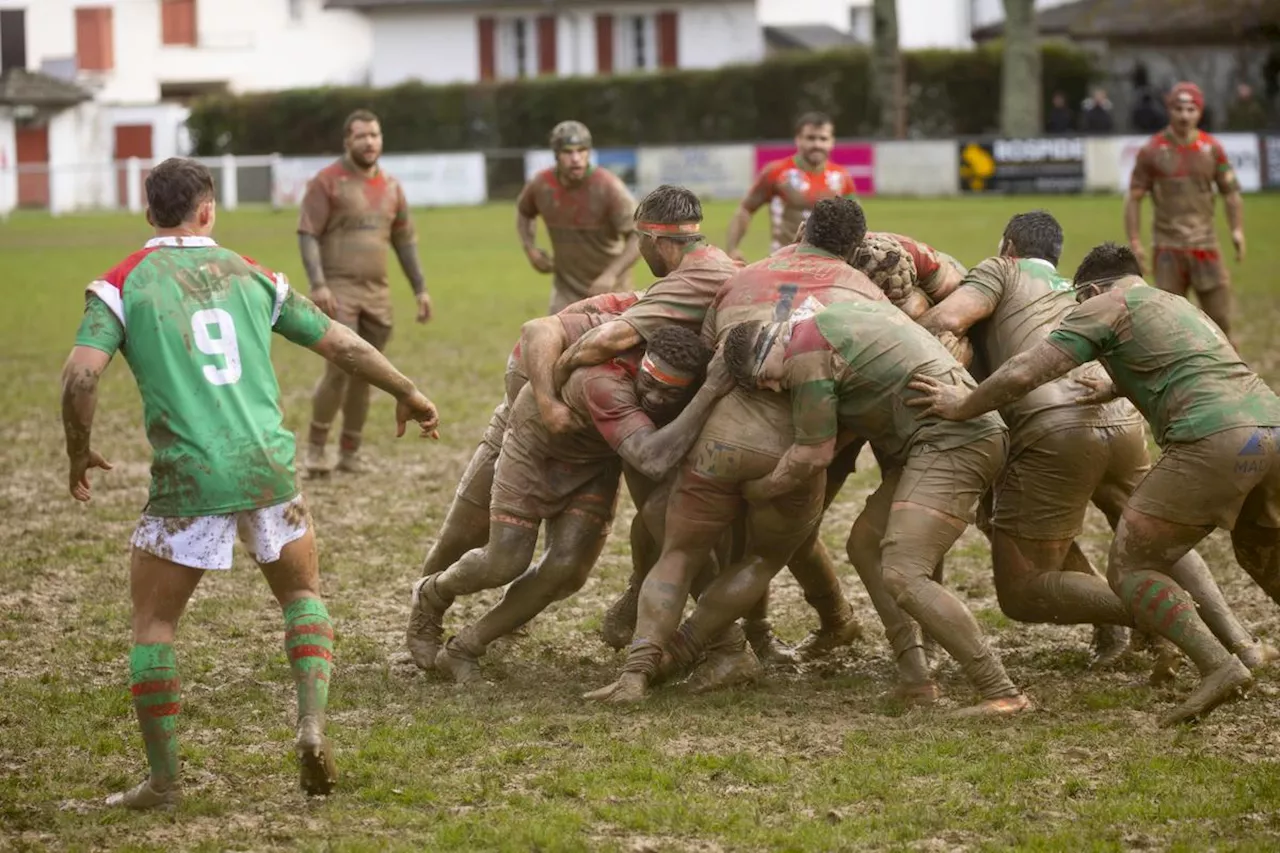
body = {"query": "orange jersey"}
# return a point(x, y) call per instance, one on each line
point(1181, 180)
point(791, 191)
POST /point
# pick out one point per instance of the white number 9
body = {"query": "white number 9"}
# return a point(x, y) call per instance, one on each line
point(224, 345)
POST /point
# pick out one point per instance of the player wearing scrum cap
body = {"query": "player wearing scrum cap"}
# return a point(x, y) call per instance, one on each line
point(1180, 167)
point(588, 213)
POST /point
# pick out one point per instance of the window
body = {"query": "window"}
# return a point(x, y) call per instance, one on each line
point(635, 43)
point(95, 49)
point(861, 25)
point(13, 39)
point(517, 48)
point(178, 22)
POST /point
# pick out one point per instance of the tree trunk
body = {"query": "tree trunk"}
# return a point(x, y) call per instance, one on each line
point(1020, 97)
point(887, 70)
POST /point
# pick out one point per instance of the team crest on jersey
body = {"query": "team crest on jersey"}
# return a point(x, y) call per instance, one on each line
point(835, 181)
point(807, 309)
point(797, 180)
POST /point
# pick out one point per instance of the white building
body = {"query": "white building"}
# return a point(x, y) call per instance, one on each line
point(467, 41)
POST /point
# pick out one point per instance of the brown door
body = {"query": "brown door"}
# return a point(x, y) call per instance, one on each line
point(33, 153)
point(132, 140)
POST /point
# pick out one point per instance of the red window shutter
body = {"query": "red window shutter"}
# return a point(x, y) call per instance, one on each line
point(178, 22)
point(547, 44)
point(488, 58)
point(667, 37)
point(604, 44)
point(94, 33)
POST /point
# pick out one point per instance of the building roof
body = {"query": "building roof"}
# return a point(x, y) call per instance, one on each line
point(1154, 21)
point(807, 37)
point(21, 88)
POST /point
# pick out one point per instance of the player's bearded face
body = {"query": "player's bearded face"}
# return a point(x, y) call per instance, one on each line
point(364, 143)
point(1184, 114)
point(814, 142)
point(572, 162)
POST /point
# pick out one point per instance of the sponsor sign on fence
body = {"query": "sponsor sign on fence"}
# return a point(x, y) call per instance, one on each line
point(1241, 149)
point(429, 180)
point(858, 157)
point(711, 171)
point(1271, 160)
point(1043, 165)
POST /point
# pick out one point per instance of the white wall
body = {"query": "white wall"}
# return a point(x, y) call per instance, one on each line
point(713, 34)
point(833, 13)
point(933, 23)
point(8, 163)
point(80, 159)
point(431, 46)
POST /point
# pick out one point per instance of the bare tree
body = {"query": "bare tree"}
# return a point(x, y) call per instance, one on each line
point(1020, 97)
point(888, 74)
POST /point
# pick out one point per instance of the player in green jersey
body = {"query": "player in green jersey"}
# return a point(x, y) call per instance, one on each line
point(194, 322)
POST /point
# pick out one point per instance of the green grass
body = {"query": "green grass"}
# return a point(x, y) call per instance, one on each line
point(813, 761)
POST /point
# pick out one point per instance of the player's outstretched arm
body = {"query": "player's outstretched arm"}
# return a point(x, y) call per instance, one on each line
point(597, 346)
point(800, 464)
point(1013, 381)
point(737, 230)
point(356, 356)
point(542, 342)
point(80, 378)
point(655, 452)
point(527, 231)
point(958, 313)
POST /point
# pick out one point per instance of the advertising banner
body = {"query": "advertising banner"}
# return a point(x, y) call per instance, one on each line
point(1048, 165)
point(858, 157)
point(711, 171)
point(1241, 149)
point(1271, 158)
point(429, 180)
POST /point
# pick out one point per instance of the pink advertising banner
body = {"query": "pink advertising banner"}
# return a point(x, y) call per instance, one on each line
point(858, 157)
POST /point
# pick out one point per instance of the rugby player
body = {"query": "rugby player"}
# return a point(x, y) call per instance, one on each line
point(1180, 167)
point(793, 185)
point(1216, 421)
point(194, 321)
point(587, 211)
point(351, 212)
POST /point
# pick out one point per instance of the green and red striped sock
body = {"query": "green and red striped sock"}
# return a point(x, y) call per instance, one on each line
point(1161, 606)
point(308, 641)
point(157, 699)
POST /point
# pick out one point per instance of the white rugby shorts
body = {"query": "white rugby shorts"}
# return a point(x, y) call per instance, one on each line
point(206, 541)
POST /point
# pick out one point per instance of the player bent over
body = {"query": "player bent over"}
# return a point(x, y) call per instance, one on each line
point(1217, 422)
point(194, 321)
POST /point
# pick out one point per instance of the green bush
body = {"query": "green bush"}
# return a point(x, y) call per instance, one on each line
point(950, 93)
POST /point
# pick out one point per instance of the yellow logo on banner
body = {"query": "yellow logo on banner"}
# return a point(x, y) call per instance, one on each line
point(976, 166)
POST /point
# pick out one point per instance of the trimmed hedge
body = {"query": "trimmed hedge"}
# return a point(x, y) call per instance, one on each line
point(951, 93)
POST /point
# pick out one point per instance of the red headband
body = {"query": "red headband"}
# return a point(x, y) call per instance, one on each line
point(1190, 90)
point(663, 228)
point(647, 365)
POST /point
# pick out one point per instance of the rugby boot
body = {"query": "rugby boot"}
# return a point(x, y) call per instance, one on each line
point(317, 771)
point(1226, 682)
point(920, 694)
point(460, 661)
point(845, 631)
point(769, 650)
point(1258, 656)
point(351, 462)
point(729, 660)
point(426, 624)
point(1001, 706)
point(317, 462)
point(145, 796)
point(1109, 644)
point(620, 619)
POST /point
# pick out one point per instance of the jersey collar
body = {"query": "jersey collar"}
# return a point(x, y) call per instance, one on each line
point(180, 242)
point(1042, 262)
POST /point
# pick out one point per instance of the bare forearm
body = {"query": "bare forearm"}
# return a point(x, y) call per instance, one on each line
point(1015, 379)
point(792, 471)
point(1133, 218)
point(599, 345)
point(541, 344)
point(357, 357)
point(408, 255)
point(737, 228)
point(1234, 203)
point(660, 451)
point(309, 247)
point(527, 231)
point(79, 401)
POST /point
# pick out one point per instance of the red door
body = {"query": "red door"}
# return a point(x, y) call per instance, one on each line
point(33, 154)
point(132, 140)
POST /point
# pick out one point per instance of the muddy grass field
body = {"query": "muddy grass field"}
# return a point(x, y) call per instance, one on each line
point(814, 760)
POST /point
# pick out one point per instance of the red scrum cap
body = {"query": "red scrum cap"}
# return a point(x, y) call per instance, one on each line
point(1187, 90)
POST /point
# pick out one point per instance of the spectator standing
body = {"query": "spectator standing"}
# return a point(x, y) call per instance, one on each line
point(1060, 118)
point(1096, 113)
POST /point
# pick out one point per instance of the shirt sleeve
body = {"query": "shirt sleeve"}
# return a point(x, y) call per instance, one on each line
point(300, 321)
point(1143, 177)
point(402, 231)
point(761, 191)
point(988, 280)
point(674, 300)
point(1223, 174)
point(527, 202)
point(609, 395)
point(814, 402)
point(313, 218)
point(1089, 330)
point(99, 328)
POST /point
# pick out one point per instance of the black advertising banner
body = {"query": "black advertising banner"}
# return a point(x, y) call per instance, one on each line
point(1271, 162)
point(1051, 165)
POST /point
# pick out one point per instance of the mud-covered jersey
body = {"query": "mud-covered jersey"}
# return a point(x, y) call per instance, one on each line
point(1170, 359)
point(588, 224)
point(682, 298)
point(791, 189)
point(577, 319)
point(194, 321)
point(1181, 180)
point(356, 218)
point(1028, 299)
point(848, 367)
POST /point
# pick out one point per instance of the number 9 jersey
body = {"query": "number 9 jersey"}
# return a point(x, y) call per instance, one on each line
point(194, 321)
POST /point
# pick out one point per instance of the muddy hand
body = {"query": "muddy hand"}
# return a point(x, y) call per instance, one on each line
point(79, 477)
point(416, 407)
point(937, 398)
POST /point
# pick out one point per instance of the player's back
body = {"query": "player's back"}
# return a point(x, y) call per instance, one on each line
point(197, 335)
